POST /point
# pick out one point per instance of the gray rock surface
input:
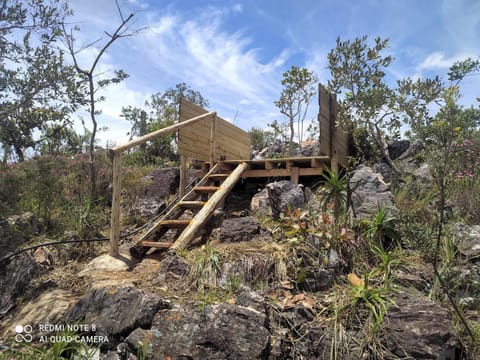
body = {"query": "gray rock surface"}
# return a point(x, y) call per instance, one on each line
point(397, 148)
point(417, 328)
point(116, 311)
point(468, 240)
point(370, 191)
point(239, 229)
point(16, 280)
point(220, 331)
point(286, 196)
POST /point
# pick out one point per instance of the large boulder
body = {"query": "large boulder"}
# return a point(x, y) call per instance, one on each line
point(286, 196)
point(16, 279)
point(370, 192)
point(417, 328)
point(220, 331)
point(239, 229)
point(116, 312)
point(397, 148)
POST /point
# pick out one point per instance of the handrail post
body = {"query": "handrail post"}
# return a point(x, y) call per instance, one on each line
point(116, 199)
point(213, 134)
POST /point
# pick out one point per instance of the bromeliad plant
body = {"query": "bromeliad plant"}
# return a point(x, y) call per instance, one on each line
point(334, 193)
point(381, 229)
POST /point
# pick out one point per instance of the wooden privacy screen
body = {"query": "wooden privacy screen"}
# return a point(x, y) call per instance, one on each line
point(195, 141)
point(333, 138)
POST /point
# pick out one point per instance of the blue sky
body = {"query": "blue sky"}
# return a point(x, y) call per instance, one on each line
point(234, 52)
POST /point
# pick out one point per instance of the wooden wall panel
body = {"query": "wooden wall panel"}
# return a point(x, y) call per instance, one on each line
point(231, 142)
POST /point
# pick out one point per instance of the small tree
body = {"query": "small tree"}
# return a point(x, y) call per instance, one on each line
point(298, 89)
point(89, 74)
point(358, 71)
point(161, 110)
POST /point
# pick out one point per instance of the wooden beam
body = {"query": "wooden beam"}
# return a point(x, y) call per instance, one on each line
point(183, 177)
point(161, 132)
point(294, 174)
point(175, 224)
point(116, 199)
point(206, 212)
point(191, 204)
point(205, 189)
point(154, 244)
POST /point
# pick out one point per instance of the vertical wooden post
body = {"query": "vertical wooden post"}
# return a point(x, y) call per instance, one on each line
point(294, 174)
point(183, 170)
point(213, 140)
point(333, 133)
point(115, 216)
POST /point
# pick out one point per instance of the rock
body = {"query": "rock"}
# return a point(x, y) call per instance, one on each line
point(43, 256)
point(16, 280)
point(383, 169)
point(414, 149)
point(397, 148)
point(140, 340)
point(422, 174)
point(261, 202)
point(220, 331)
point(27, 223)
point(370, 191)
point(116, 312)
point(286, 196)
point(309, 148)
point(171, 266)
point(417, 328)
point(107, 262)
point(468, 239)
point(40, 310)
point(239, 229)
point(251, 299)
point(317, 279)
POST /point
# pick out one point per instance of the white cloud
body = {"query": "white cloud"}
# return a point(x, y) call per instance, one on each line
point(238, 8)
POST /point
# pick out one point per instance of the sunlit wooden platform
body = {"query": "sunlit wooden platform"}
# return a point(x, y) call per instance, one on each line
point(292, 167)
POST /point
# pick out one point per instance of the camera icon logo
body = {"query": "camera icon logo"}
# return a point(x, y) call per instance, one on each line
point(24, 333)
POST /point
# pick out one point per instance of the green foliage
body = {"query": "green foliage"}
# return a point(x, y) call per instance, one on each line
point(206, 268)
point(260, 139)
point(358, 71)
point(161, 110)
point(381, 229)
point(298, 89)
point(334, 192)
point(463, 68)
point(38, 89)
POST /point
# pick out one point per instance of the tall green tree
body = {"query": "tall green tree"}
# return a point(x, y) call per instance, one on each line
point(358, 71)
point(161, 109)
point(37, 87)
point(299, 86)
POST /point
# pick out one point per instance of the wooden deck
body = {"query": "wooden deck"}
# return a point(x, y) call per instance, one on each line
point(292, 167)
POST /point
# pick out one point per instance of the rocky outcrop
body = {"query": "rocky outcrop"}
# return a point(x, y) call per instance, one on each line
point(417, 328)
point(369, 192)
point(239, 229)
point(116, 311)
point(221, 331)
point(286, 196)
point(16, 280)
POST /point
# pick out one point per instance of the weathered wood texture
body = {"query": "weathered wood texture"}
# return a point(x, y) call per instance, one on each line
point(116, 199)
point(333, 137)
point(196, 141)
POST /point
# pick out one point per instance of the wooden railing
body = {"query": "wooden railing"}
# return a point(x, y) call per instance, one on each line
point(116, 154)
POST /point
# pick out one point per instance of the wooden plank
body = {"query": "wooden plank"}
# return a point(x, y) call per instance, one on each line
point(218, 176)
point(206, 212)
point(116, 200)
point(205, 189)
point(159, 133)
point(191, 204)
point(175, 224)
point(154, 244)
point(260, 173)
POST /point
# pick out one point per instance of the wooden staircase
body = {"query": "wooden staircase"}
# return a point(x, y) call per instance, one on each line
point(202, 199)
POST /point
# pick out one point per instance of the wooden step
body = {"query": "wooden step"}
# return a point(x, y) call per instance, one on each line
point(155, 244)
point(175, 224)
point(205, 189)
point(218, 176)
point(191, 204)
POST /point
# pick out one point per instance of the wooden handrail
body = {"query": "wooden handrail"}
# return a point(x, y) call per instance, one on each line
point(158, 133)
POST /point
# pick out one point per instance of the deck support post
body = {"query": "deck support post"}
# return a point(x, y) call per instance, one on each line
point(116, 199)
point(183, 171)
point(213, 133)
